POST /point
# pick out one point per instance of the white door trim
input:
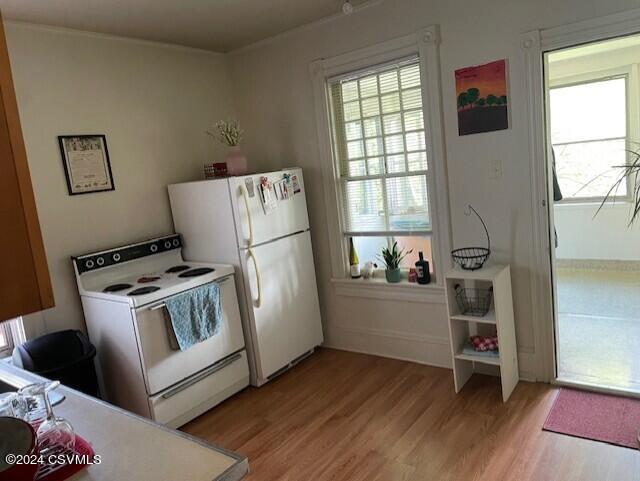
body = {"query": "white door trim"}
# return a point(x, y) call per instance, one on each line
point(534, 44)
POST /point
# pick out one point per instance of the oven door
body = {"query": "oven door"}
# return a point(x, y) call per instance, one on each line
point(164, 366)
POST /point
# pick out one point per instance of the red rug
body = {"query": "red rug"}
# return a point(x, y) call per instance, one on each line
point(600, 417)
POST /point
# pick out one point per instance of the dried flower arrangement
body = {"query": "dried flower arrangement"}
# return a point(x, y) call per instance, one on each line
point(228, 132)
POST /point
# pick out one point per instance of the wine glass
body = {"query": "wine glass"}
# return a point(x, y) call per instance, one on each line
point(35, 399)
point(55, 434)
point(13, 405)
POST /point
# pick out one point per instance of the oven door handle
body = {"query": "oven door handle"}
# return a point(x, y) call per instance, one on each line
point(155, 307)
point(199, 377)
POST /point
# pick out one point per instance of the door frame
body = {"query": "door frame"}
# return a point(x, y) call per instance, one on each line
point(535, 44)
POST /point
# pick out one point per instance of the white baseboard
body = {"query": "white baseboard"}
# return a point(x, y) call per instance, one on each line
point(419, 348)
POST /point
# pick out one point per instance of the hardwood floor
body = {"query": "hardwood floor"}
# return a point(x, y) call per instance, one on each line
point(346, 416)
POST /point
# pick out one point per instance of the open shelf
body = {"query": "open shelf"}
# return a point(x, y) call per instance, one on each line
point(489, 318)
point(494, 361)
point(499, 321)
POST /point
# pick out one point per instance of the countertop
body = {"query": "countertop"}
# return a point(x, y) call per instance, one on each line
point(132, 447)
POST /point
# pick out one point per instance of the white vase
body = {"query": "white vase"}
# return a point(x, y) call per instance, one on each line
point(236, 161)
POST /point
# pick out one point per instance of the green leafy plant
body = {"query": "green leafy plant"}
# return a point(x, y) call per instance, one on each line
point(630, 171)
point(394, 256)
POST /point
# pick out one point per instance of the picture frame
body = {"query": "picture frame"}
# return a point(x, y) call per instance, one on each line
point(86, 163)
point(482, 94)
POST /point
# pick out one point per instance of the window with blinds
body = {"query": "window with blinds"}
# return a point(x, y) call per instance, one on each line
point(380, 150)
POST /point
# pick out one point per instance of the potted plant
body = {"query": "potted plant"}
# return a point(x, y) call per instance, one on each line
point(392, 259)
point(629, 171)
point(229, 133)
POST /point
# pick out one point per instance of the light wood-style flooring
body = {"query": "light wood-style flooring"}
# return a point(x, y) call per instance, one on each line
point(346, 416)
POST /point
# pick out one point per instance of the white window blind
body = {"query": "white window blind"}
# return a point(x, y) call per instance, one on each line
point(11, 335)
point(589, 137)
point(381, 153)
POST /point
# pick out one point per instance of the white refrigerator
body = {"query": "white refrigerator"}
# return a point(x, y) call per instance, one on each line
point(269, 244)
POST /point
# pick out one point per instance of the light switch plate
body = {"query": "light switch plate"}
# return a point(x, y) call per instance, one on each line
point(496, 169)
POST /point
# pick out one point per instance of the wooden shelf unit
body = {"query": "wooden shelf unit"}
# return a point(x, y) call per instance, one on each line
point(499, 319)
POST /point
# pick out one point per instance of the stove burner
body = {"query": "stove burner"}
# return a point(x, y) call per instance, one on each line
point(175, 269)
point(116, 287)
point(197, 272)
point(143, 290)
point(147, 279)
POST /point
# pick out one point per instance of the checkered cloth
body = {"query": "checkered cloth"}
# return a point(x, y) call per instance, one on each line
point(484, 343)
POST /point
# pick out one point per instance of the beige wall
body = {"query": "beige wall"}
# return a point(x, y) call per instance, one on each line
point(274, 100)
point(152, 102)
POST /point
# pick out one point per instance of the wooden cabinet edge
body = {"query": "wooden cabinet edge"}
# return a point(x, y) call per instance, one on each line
point(12, 117)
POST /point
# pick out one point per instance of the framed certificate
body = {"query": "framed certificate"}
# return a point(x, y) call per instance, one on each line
point(86, 163)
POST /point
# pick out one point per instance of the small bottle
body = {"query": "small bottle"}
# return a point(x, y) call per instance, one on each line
point(422, 270)
point(354, 262)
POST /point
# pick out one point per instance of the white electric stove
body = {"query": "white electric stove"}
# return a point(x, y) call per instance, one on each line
point(123, 292)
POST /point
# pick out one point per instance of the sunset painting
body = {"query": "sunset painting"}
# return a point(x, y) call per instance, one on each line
point(482, 98)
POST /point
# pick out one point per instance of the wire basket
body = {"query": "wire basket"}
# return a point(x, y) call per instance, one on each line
point(473, 258)
point(474, 301)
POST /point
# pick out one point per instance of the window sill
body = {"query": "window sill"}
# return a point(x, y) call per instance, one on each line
point(379, 288)
point(568, 203)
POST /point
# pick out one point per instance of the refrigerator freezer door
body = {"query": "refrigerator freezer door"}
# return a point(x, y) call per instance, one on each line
point(287, 322)
point(289, 216)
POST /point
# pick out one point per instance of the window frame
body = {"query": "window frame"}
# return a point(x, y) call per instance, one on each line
point(389, 234)
point(13, 332)
point(424, 44)
point(629, 73)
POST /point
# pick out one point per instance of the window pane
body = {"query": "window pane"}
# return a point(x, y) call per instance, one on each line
point(353, 130)
point(355, 149)
point(370, 107)
point(591, 111)
point(369, 86)
point(396, 164)
point(375, 166)
point(364, 207)
point(390, 103)
point(589, 169)
point(410, 76)
point(374, 147)
point(418, 244)
point(417, 161)
point(372, 127)
point(351, 111)
point(349, 91)
point(411, 99)
point(392, 124)
point(415, 141)
point(394, 144)
point(4, 341)
point(356, 168)
point(389, 82)
point(413, 120)
point(407, 203)
point(369, 248)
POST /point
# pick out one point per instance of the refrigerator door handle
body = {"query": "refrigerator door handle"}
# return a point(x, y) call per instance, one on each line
point(245, 196)
point(258, 301)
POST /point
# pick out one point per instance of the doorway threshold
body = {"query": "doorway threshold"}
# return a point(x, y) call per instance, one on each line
point(595, 387)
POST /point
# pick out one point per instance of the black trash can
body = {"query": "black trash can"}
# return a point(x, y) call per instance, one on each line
point(66, 356)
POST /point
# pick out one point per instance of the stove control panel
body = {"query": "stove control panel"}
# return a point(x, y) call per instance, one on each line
point(118, 255)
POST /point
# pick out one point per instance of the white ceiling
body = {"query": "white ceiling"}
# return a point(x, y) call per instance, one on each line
point(218, 25)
